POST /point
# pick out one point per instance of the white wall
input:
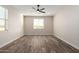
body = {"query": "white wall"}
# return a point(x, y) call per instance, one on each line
point(28, 26)
point(15, 27)
point(66, 25)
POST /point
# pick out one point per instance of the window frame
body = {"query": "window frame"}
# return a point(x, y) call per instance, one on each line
point(5, 19)
point(43, 26)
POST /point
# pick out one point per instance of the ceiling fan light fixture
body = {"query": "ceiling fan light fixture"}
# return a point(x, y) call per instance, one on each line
point(38, 9)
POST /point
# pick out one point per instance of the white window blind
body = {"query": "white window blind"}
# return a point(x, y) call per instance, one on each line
point(3, 18)
point(38, 24)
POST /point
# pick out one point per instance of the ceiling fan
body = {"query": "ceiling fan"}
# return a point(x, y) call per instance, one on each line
point(38, 9)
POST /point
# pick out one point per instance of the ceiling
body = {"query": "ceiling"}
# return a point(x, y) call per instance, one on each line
point(27, 10)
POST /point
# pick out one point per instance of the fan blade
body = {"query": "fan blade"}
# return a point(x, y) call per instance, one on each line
point(33, 8)
point(42, 9)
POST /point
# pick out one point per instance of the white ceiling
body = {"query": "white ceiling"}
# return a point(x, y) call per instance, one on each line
point(27, 10)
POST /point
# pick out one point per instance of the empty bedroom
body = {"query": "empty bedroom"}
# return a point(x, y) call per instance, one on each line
point(39, 29)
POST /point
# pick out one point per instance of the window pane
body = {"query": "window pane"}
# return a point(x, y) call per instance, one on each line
point(38, 24)
point(2, 12)
point(2, 22)
point(2, 25)
point(2, 28)
point(3, 18)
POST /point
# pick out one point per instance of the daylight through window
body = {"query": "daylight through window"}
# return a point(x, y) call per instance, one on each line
point(3, 18)
point(38, 24)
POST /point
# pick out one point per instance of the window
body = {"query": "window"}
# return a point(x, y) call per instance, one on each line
point(38, 24)
point(3, 18)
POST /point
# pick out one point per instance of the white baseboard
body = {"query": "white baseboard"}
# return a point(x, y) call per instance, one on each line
point(67, 42)
point(38, 34)
point(10, 41)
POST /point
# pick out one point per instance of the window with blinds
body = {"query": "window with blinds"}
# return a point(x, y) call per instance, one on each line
point(3, 18)
point(38, 24)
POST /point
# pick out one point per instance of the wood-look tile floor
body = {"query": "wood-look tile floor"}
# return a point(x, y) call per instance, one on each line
point(38, 44)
